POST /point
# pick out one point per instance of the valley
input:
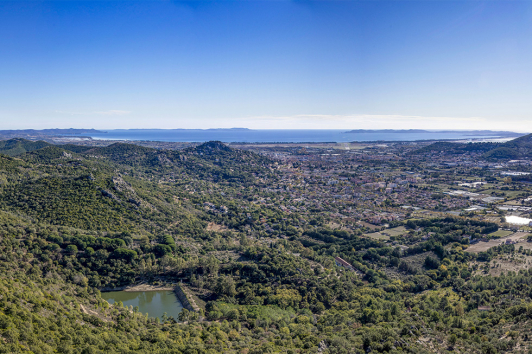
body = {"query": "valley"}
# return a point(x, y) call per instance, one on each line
point(252, 235)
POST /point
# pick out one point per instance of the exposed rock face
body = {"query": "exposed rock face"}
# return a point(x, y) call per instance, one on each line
point(121, 186)
point(164, 160)
point(135, 202)
point(323, 346)
point(108, 194)
point(124, 187)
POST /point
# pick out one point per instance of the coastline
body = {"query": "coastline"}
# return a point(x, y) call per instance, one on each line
point(294, 136)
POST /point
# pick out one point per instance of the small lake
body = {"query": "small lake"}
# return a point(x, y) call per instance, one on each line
point(154, 303)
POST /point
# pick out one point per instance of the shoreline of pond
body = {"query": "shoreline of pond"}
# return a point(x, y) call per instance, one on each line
point(140, 287)
point(178, 289)
point(152, 303)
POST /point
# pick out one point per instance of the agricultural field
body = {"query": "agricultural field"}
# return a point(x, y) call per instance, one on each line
point(378, 236)
point(504, 264)
point(500, 233)
point(394, 232)
point(484, 246)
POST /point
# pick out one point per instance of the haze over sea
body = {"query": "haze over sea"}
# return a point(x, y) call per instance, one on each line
point(293, 136)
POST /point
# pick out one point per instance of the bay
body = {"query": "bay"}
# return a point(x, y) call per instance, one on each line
point(291, 136)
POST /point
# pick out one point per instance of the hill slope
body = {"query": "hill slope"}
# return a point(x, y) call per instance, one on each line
point(14, 147)
point(519, 148)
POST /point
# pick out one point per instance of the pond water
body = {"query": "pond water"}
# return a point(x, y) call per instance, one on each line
point(154, 303)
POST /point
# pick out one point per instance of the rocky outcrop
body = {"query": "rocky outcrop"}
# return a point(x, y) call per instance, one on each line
point(108, 194)
point(123, 187)
point(120, 185)
point(135, 202)
point(164, 160)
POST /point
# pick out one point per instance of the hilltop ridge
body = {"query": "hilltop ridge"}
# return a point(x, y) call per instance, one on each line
point(517, 148)
point(19, 146)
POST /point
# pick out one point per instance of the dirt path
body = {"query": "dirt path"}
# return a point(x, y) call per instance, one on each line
point(84, 309)
point(89, 312)
point(93, 313)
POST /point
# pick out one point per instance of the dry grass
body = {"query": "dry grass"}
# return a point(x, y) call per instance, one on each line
point(377, 236)
point(368, 225)
point(501, 233)
point(504, 264)
point(484, 246)
point(216, 227)
point(396, 231)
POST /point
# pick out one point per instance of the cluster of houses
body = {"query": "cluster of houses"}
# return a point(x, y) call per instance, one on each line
point(214, 209)
point(355, 185)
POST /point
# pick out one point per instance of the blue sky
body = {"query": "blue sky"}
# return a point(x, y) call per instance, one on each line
point(266, 64)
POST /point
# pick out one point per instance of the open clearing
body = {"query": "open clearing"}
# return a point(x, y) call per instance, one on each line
point(216, 227)
point(507, 193)
point(484, 246)
point(504, 264)
point(386, 234)
point(396, 231)
point(368, 225)
point(377, 236)
point(501, 233)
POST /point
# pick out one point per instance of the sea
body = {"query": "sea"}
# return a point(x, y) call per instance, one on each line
point(239, 135)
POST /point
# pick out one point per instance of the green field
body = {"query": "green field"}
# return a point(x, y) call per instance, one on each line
point(378, 236)
point(396, 231)
point(507, 193)
point(500, 233)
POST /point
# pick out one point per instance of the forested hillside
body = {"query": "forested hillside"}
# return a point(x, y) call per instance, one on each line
point(76, 220)
point(518, 148)
point(15, 147)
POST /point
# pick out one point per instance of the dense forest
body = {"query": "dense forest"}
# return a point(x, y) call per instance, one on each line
point(75, 220)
